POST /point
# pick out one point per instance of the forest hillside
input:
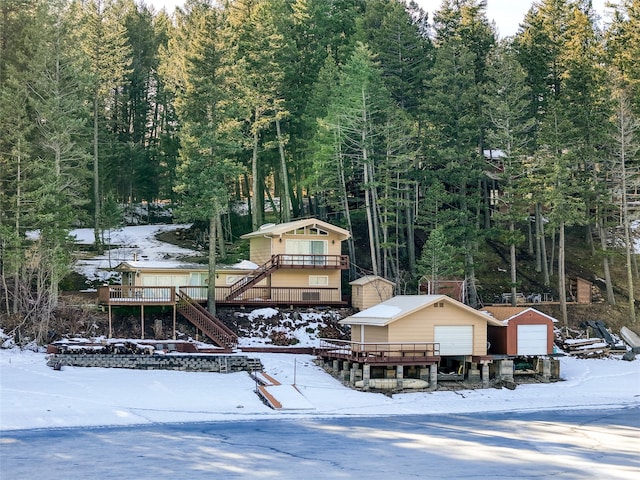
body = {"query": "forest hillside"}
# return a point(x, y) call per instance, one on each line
point(444, 149)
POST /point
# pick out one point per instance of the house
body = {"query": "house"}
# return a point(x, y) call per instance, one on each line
point(432, 337)
point(303, 255)
point(370, 290)
point(525, 331)
point(295, 263)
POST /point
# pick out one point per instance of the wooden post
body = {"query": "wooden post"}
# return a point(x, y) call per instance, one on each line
point(174, 320)
point(142, 321)
point(110, 324)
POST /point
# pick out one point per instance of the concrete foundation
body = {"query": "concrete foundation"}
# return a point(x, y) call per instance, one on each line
point(504, 370)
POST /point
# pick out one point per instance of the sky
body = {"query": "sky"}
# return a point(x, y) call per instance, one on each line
point(507, 13)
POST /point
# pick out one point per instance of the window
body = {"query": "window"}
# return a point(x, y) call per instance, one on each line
point(198, 279)
point(231, 279)
point(318, 280)
point(307, 251)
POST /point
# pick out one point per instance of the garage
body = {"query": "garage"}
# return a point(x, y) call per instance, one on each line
point(532, 339)
point(454, 340)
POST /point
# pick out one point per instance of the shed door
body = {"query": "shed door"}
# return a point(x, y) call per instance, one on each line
point(454, 340)
point(532, 340)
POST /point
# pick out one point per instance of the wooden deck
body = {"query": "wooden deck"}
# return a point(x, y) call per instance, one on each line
point(383, 353)
point(118, 295)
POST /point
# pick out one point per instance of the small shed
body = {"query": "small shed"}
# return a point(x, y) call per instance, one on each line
point(370, 290)
point(525, 331)
point(580, 290)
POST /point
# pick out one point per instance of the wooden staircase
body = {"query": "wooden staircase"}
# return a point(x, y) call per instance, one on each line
point(245, 283)
point(213, 328)
point(340, 262)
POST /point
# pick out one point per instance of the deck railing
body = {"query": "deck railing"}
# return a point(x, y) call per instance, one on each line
point(374, 352)
point(311, 261)
point(122, 295)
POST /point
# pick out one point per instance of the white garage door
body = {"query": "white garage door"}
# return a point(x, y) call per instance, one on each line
point(532, 340)
point(454, 340)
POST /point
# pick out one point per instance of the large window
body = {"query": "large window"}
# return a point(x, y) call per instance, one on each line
point(308, 249)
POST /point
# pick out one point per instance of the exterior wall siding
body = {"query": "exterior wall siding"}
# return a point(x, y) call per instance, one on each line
point(365, 296)
point(260, 250)
point(375, 334)
point(300, 278)
point(527, 318)
point(419, 326)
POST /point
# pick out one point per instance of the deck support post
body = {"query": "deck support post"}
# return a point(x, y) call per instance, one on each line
point(399, 374)
point(142, 321)
point(366, 374)
point(433, 376)
point(336, 366)
point(346, 367)
point(485, 374)
point(174, 320)
point(110, 322)
point(352, 373)
point(505, 369)
point(546, 369)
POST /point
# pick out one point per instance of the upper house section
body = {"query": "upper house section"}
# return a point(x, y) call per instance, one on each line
point(307, 239)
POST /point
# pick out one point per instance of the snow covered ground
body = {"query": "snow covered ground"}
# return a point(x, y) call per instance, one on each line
point(127, 242)
point(33, 395)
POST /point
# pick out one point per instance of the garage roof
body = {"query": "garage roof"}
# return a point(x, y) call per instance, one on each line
point(400, 306)
point(506, 313)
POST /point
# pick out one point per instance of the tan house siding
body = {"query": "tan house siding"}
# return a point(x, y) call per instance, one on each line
point(260, 250)
point(371, 293)
point(371, 334)
point(419, 326)
point(300, 278)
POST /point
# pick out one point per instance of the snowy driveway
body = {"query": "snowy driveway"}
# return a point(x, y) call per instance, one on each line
point(569, 445)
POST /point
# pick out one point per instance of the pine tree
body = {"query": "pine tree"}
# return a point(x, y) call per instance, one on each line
point(510, 132)
point(102, 37)
point(208, 137)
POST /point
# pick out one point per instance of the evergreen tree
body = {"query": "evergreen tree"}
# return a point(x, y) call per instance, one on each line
point(510, 132)
point(101, 35)
point(208, 134)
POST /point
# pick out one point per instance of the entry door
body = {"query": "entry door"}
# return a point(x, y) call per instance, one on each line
point(532, 340)
point(454, 340)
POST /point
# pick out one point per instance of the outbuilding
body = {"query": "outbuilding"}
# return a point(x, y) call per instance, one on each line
point(370, 290)
point(419, 330)
point(524, 331)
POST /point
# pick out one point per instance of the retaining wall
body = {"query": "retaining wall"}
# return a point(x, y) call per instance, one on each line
point(188, 362)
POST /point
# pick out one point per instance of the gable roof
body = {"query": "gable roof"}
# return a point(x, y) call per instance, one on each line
point(367, 279)
point(506, 313)
point(400, 306)
point(279, 229)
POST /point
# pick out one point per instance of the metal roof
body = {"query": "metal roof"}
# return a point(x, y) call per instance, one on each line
point(368, 279)
point(400, 306)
